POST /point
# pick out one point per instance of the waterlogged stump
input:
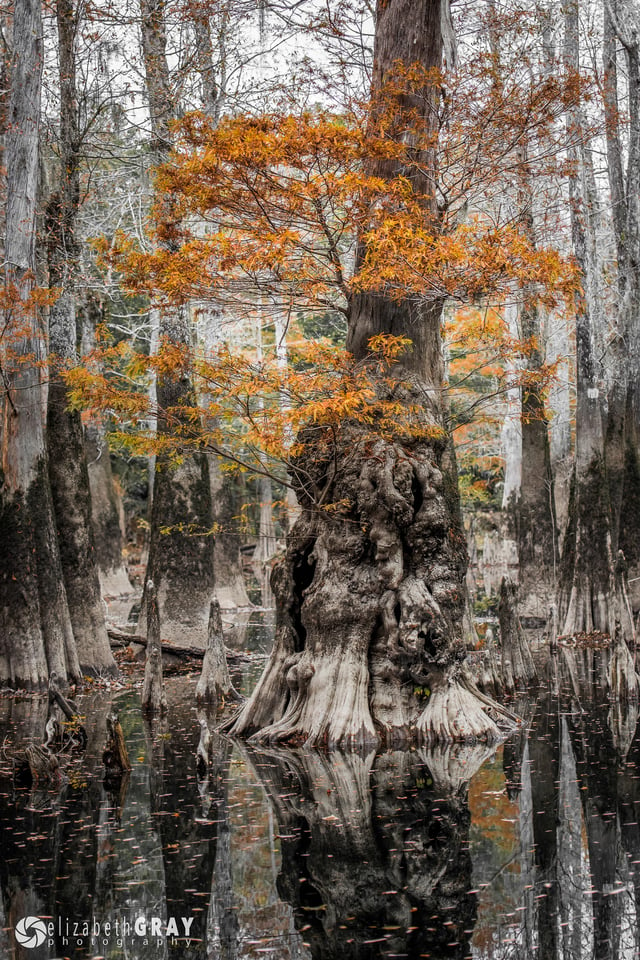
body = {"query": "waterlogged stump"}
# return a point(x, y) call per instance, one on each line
point(370, 595)
point(115, 756)
point(214, 685)
point(154, 700)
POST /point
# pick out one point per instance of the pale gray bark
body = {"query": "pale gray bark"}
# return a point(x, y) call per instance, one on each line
point(230, 587)
point(153, 695)
point(36, 631)
point(518, 668)
point(370, 597)
point(107, 516)
point(214, 685)
point(591, 597)
point(623, 355)
point(511, 435)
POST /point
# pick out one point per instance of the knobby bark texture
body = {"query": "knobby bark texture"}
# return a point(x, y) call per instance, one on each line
point(36, 633)
point(370, 593)
point(181, 542)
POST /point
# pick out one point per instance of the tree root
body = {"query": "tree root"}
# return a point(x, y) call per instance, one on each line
point(458, 712)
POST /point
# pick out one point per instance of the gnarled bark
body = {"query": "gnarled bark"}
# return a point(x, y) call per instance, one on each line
point(370, 600)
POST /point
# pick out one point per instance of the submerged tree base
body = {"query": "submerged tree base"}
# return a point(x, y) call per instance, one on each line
point(370, 596)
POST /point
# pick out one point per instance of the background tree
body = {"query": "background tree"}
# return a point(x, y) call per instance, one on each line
point(67, 455)
point(181, 521)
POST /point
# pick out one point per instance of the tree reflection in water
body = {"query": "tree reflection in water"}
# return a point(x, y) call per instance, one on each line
point(375, 849)
point(300, 855)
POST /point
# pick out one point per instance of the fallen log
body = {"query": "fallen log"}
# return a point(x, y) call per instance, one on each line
point(121, 639)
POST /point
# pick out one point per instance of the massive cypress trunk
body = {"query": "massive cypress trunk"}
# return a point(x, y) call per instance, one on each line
point(371, 594)
point(35, 631)
point(181, 541)
point(67, 463)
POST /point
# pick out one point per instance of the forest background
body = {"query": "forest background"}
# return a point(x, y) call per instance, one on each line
point(178, 286)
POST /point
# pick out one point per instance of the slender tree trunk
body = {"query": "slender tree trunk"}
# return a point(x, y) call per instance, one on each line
point(370, 597)
point(36, 634)
point(107, 512)
point(511, 438)
point(154, 699)
point(231, 589)
point(181, 541)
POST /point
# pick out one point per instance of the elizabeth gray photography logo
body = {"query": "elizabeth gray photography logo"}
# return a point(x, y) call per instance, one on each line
point(31, 932)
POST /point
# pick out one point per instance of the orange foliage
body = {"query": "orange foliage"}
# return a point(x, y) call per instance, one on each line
point(301, 211)
point(252, 408)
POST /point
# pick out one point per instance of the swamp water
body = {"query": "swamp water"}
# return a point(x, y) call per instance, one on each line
point(528, 851)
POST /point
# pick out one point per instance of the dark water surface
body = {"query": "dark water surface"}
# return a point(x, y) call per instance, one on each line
point(531, 851)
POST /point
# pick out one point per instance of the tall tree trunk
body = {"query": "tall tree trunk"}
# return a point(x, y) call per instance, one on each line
point(370, 596)
point(587, 585)
point(107, 512)
point(36, 634)
point(231, 589)
point(67, 463)
point(623, 463)
point(534, 510)
point(181, 541)
point(591, 596)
